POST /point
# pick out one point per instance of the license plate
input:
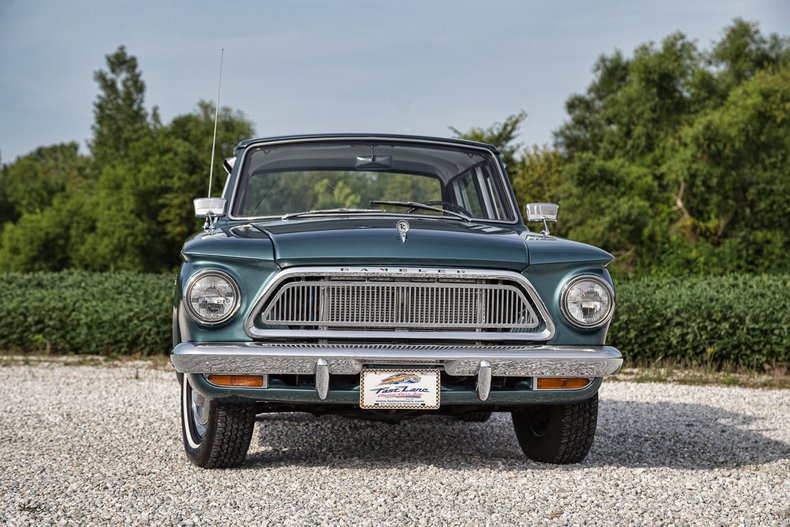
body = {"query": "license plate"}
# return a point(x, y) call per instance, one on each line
point(399, 389)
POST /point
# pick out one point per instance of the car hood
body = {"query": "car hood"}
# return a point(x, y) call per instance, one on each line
point(376, 241)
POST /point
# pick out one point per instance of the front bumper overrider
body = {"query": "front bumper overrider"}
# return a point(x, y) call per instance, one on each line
point(324, 360)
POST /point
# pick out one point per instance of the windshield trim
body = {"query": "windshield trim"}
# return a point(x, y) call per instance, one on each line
point(356, 138)
point(316, 214)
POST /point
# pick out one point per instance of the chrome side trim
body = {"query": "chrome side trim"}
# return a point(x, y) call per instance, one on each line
point(349, 359)
point(400, 273)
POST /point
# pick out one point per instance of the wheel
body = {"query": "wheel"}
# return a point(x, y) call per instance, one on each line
point(474, 417)
point(558, 434)
point(216, 434)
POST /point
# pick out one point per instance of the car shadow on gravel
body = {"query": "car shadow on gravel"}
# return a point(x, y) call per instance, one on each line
point(682, 435)
point(630, 434)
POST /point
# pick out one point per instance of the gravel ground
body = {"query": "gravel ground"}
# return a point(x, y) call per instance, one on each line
point(102, 446)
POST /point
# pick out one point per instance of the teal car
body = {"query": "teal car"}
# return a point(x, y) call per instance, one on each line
point(333, 262)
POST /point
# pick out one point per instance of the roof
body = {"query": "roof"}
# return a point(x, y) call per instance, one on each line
point(357, 136)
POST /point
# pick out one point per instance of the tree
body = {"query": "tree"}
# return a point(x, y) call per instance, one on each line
point(44, 240)
point(742, 53)
point(608, 203)
point(634, 104)
point(120, 117)
point(501, 135)
point(189, 139)
point(675, 159)
point(536, 175)
point(143, 201)
point(133, 209)
point(33, 180)
point(733, 177)
point(8, 212)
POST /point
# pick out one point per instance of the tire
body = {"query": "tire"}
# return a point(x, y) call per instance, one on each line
point(216, 434)
point(474, 417)
point(559, 434)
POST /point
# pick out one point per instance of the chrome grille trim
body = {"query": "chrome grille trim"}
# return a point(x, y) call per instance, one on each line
point(400, 304)
point(287, 347)
point(276, 305)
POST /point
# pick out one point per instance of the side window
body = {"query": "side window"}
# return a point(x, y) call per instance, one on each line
point(491, 194)
point(465, 194)
point(477, 190)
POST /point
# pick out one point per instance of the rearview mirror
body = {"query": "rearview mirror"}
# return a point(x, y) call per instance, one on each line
point(543, 212)
point(205, 207)
point(373, 162)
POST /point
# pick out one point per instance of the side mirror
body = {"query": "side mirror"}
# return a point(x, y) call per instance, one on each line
point(228, 164)
point(205, 207)
point(543, 212)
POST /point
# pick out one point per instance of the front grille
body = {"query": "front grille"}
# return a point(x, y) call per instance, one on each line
point(432, 305)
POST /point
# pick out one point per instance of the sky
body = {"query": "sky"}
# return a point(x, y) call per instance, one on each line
point(313, 66)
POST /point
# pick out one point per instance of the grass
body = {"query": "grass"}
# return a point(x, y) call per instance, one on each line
point(777, 377)
point(158, 362)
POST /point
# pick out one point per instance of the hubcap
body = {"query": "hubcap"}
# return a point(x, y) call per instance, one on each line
point(538, 421)
point(199, 406)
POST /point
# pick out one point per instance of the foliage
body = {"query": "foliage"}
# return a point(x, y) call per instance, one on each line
point(128, 205)
point(674, 159)
point(501, 135)
point(536, 175)
point(609, 217)
point(31, 183)
point(41, 241)
point(732, 172)
point(185, 175)
point(708, 321)
point(120, 117)
point(86, 313)
point(737, 320)
point(700, 140)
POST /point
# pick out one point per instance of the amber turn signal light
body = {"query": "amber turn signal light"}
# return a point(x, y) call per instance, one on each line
point(249, 381)
point(562, 383)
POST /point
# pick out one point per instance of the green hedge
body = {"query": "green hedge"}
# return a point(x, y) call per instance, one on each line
point(735, 320)
point(79, 312)
point(730, 320)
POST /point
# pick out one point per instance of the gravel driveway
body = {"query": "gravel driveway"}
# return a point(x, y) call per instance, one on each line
point(102, 446)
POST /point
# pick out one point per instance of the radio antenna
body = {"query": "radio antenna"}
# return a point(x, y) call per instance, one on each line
point(216, 117)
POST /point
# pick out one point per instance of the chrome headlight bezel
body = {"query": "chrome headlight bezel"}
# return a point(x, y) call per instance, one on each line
point(564, 301)
point(194, 315)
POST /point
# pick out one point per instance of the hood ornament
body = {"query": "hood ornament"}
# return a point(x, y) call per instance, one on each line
point(403, 229)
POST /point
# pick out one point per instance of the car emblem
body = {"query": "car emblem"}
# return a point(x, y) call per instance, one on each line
point(403, 229)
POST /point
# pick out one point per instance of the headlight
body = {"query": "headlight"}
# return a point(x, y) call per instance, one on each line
point(211, 297)
point(587, 301)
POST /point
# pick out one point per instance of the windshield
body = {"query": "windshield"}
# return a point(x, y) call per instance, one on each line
point(287, 179)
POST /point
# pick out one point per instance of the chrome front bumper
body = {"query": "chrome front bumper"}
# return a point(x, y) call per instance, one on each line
point(323, 360)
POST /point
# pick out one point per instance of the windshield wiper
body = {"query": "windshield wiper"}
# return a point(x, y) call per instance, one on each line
point(328, 211)
point(423, 206)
